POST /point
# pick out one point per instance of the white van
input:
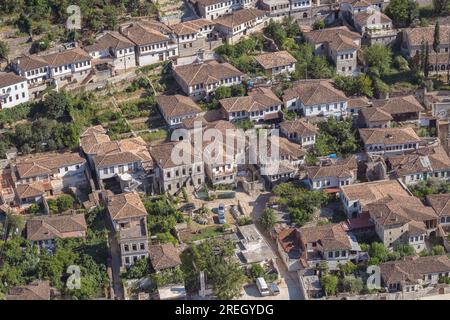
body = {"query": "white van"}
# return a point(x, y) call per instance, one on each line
point(262, 286)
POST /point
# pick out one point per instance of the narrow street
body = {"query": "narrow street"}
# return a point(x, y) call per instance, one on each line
point(115, 266)
point(290, 278)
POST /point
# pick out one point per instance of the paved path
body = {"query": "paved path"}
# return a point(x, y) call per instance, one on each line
point(290, 280)
point(115, 266)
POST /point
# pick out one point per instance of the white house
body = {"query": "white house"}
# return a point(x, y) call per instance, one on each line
point(316, 98)
point(13, 90)
point(260, 105)
point(113, 45)
point(152, 46)
point(176, 108)
point(389, 141)
point(199, 80)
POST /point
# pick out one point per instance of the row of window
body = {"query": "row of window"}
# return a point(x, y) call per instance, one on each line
point(36, 71)
point(178, 185)
point(129, 50)
point(337, 254)
point(121, 168)
point(254, 113)
point(153, 47)
point(134, 247)
point(7, 89)
point(10, 98)
point(183, 172)
point(392, 148)
point(135, 258)
point(418, 176)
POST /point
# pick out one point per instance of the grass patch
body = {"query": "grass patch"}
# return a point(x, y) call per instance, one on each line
point(160, 134)
point(206, 233)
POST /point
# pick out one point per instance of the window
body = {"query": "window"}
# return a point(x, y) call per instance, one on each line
point(330, 254)
point(134, 247)
point(126, 248)
point(142, 246)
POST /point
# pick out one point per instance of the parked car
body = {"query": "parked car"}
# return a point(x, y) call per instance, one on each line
point(262, 286)
point(221, 209)
point(274, 290)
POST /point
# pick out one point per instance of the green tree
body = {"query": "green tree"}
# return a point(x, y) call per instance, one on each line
point(319, 68)
point(257, 270)
point(4, 50)
point(402, 12)
point(329, 284)
point(405, 250)
point(438, 250)
point(319, 24)
point(64, 202)
point(268, 219)
point(56, 105)
point(401, 63)
point(426, 60)
point(378, 58)
point(436, 42)
point(140, 269)
point(352, 284)
point(441, 7)
point(222, 92)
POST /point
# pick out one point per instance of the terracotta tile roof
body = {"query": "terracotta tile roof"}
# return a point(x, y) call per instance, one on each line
point(111, 39)
point(30, 62)
point(141, 34)
point(373, 114)
point(8, 78)
point(411, 270)
point(396, 209)
point(38, 290)
point(206, 73)
point(31, 190)
point(56, 226)
point(275, 59)
point(260, 99)
point(191, 26)
point(66, 57)
point(329, 237)
point(107, 153)
point(369, 192)
point(423, 34)
point(422, 160)
point(289, 239)
point(341, 169)
point(287, 148)
point(124, 206)
point(162, 153)
point(362, 18)
point(388, 136)
point(315, 92)
point(338, 38)
point(164, 256)
point(46, 163)
point(358, 103)
point(239, 17)
point(92, 138)
point(299, 126)
point(177, 105)
point(440, 203)
point(399, 105)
